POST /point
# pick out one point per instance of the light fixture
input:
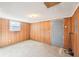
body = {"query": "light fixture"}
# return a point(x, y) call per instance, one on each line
point(57, 17)
point(34, 15)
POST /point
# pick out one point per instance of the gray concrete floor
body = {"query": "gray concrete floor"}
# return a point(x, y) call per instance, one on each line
point(31, 49)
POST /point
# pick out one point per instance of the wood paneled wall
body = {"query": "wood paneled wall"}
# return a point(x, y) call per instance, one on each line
point(75, 31)
point(41, 31)
point(8, 37)
point(72, 40)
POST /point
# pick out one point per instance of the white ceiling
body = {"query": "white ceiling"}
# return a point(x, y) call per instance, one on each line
point(21, 10)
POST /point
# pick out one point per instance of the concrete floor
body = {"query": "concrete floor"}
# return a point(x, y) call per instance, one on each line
point(31, 49)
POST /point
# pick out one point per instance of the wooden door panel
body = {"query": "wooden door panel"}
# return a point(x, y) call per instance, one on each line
point(67, 31)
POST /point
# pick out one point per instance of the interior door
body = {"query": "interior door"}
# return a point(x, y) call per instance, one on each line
point(67, 33)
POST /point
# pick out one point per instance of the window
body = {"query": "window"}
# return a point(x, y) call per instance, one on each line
point(14, 26)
